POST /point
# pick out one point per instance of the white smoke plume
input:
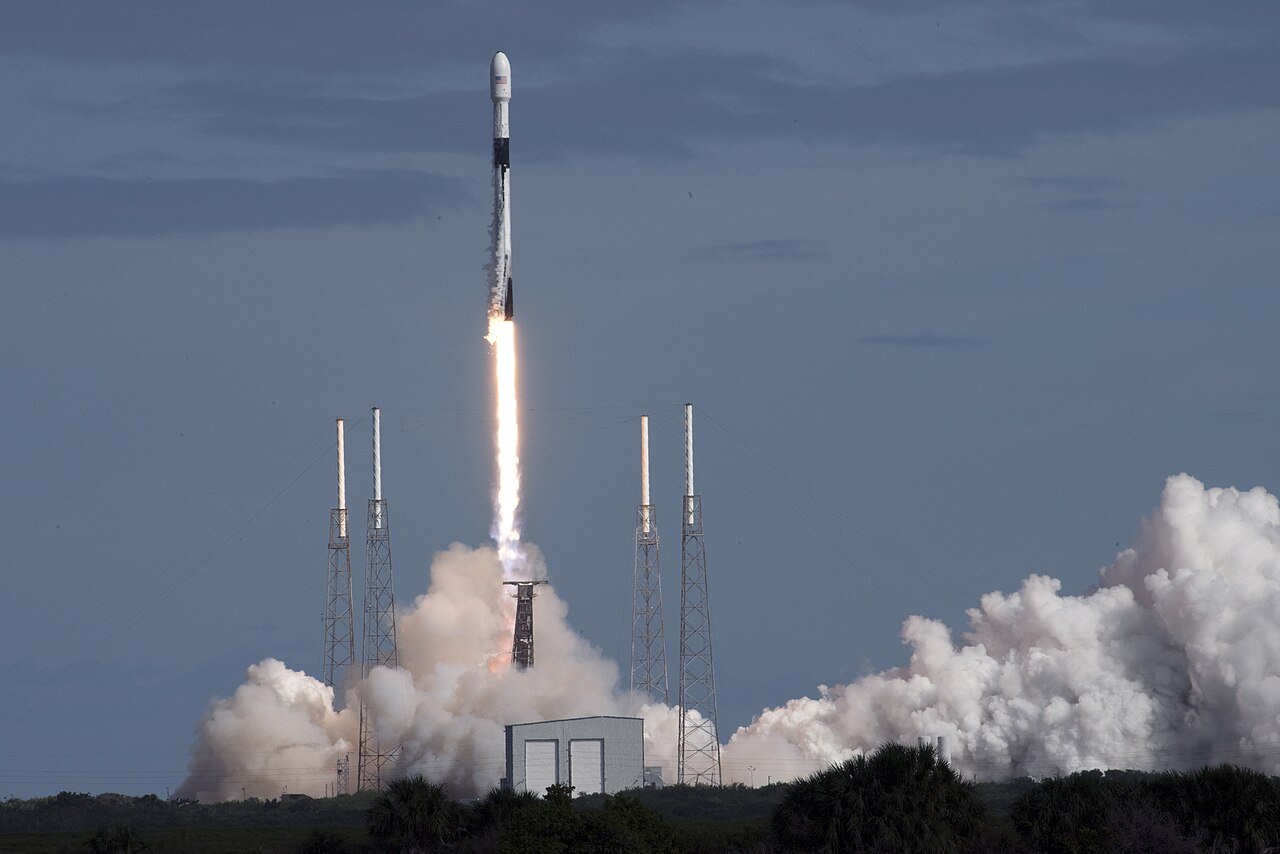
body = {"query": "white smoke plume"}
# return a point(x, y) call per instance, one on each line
point(1172, 661)
point(447, 704)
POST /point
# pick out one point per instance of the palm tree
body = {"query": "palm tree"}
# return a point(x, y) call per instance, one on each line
point(1073, 813)
point(500, 806)
point(414, 814)
point(898, 799)
point(1224, 808)
point(1234, 808)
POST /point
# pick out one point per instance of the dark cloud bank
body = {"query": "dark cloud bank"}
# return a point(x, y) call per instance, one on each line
point(78, 206)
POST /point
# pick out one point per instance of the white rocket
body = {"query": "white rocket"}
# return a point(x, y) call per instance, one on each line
point(500, 93)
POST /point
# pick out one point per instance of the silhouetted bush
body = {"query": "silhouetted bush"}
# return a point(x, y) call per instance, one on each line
point(1070, 814)
point(117, 839)
point(1228, 807)
point(323, 841)
point(415, 815)
point(897, 799)
point(1224, 808)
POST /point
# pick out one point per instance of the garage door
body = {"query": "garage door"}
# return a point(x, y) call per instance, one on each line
point(539, 766)
point(586, 766)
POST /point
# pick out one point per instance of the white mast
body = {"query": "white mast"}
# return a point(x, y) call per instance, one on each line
point(377, 468)
point(688, 451)
point(342, 482)
point(644, 470)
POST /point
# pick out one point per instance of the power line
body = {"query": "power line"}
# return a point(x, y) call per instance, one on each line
point(24, 703)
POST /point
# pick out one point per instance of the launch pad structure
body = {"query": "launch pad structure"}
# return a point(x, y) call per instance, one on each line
point(698, 749)
point(648, 640)
point(338, 618)
point(522, 639)
point(378, 641)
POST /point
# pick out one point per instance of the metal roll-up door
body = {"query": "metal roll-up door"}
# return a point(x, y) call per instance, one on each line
point(540, 766)
point(586, 766)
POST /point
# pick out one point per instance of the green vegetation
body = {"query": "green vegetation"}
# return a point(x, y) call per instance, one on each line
point(709, 819)
point(74, 811)
point(203, 840)
point(414, 815)
point(898, 799)
point(1224, 808)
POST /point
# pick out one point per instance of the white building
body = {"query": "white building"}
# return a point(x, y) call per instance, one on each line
point(600, 754)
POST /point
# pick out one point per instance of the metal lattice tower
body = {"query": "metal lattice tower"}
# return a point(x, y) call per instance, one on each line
point(339, 621)
point(378, 643)
point(343, 785)
point(698, 754)
point(522, 639)
point(648, 641)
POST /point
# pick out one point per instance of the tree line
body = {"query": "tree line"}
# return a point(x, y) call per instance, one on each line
point(896, 799)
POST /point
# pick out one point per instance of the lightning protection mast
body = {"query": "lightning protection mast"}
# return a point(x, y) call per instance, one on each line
point(648, 641)
point(339, 622)
point(698, 755)
point(378, 642)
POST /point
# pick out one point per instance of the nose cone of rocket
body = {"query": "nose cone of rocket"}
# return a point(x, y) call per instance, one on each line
point(500, 78)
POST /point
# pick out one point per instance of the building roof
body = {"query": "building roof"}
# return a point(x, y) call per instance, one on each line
point(583, 718)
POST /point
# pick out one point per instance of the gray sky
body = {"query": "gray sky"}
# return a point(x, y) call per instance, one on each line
point(954, 287)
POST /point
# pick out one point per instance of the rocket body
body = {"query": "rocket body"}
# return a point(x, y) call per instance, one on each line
point(501, 301)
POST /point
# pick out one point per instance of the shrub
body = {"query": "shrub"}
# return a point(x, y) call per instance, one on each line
point(898, 799)
point(414, 814)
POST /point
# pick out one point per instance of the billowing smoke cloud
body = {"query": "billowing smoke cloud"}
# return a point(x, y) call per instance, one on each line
point(446, 705)
point(1171, 662)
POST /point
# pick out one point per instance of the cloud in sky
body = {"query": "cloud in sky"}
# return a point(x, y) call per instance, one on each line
point(79, 206)
point(1071, 183)
point(1087, 204)
point(998, 111)
point(323, 36)
point(917, 340)
point(768, 249)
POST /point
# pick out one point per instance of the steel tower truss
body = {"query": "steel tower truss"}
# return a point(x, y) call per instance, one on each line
point(378, 640)
point(699, 748)
point(648, 641)
point(343, 784)
point(522, 639)
point(339, 621)
point(698, 752)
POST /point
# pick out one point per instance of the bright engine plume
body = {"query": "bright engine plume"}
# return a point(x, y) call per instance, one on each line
point(506, 530)
point(502, 334)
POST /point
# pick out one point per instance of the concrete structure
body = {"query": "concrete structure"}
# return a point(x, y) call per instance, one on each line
point(600, 754)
